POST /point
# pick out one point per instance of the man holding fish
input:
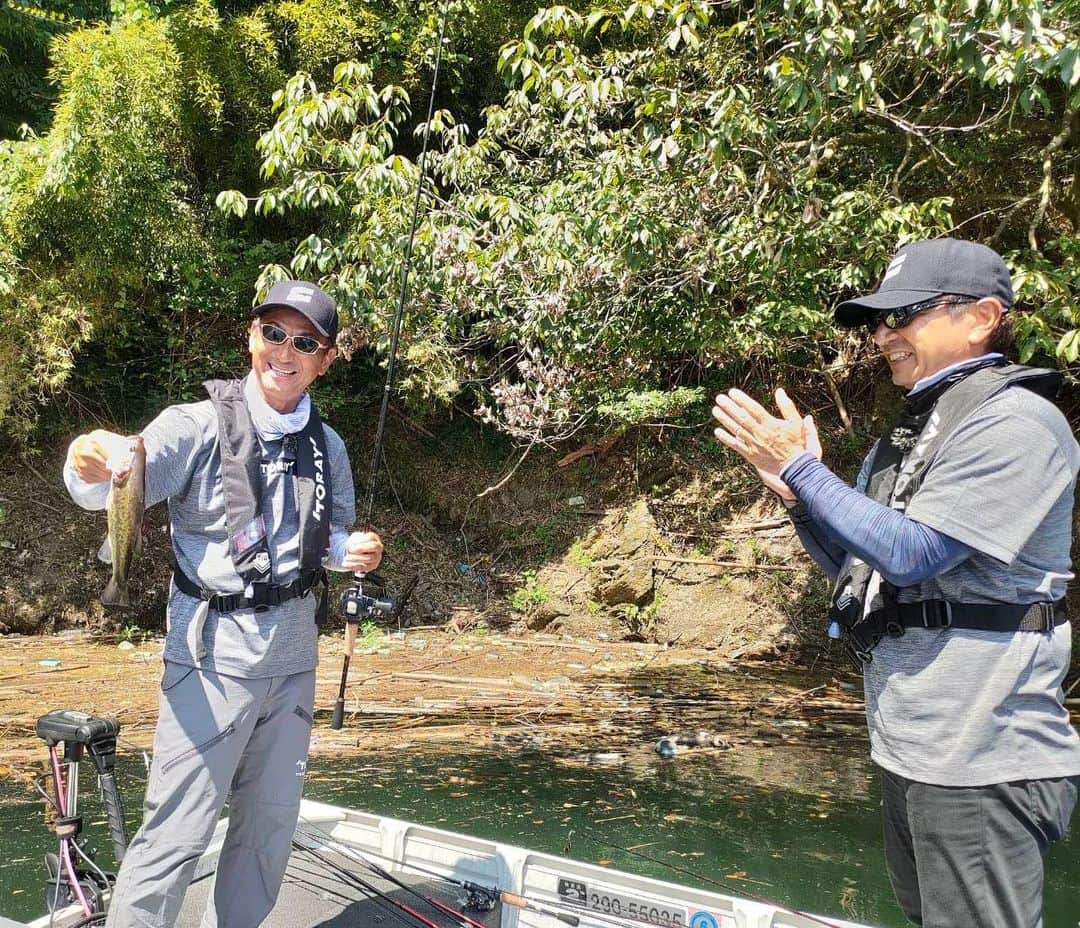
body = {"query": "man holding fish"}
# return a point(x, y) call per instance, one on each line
point(260, 493)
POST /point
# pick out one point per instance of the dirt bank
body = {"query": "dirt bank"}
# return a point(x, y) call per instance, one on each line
point(640, 543)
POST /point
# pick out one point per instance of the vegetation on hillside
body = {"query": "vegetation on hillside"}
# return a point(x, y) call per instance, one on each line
point(622, 201)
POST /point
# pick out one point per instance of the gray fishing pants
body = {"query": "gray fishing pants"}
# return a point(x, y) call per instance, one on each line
point(972, 857)
point(218, 738)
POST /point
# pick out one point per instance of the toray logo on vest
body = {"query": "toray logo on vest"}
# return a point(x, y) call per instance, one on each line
point(320, 479)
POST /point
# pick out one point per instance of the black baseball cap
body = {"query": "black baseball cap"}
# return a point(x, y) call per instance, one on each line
point(315, 305)
point(923, 270)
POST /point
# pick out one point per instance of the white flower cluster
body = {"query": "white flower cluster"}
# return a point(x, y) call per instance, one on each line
point(534, 407)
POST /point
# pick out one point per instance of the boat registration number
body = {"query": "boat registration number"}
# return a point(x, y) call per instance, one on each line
point(648, 911)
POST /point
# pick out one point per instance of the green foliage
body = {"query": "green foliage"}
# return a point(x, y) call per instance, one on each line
point(579, 556)
point(672, 186)
point(129, 284)
point(94, 211)
point(230, 70)
point(666, 189)
point(532, 593)
point(26, 29)
point(642, 620)
point(135, 634)
point(652, 406)
point(369, 636)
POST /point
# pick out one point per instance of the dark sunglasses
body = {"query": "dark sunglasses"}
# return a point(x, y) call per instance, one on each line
point(276, 335)
point(900, 317)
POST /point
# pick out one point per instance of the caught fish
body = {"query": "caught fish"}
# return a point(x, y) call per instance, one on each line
point(125, 508)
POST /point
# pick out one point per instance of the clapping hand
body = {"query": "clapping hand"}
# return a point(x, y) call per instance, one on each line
point(765, 441)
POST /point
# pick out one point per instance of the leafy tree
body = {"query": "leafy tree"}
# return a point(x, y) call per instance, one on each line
point(670, 186)
point(26, 29)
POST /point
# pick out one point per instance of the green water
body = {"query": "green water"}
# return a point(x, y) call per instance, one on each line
point(790, 823)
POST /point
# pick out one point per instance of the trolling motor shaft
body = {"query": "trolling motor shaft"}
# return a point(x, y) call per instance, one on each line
point(79, 731)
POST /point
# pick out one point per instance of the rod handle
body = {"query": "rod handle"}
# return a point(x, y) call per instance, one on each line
point(351, 628)
point(522, 903)
point(338, 718)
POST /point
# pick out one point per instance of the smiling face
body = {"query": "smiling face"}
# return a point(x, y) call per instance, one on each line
point(282, 372)
point(936, 339)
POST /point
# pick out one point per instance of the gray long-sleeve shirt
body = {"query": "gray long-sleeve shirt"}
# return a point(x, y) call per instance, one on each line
point(183, 466)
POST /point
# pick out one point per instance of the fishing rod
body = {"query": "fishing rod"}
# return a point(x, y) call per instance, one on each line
point(314, 881)
point(523, 901)
point(479, 898)
point(385, 874)
point(356, 604)
point(356, 880)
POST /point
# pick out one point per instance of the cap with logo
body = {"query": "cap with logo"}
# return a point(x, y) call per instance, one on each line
point(315, 305)
point(924, 270)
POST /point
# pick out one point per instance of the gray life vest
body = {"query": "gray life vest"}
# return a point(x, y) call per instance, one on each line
point(242, 485)
point(896, 472)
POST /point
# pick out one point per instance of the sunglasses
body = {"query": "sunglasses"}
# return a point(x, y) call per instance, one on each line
point(276, 335)
point(901, 316)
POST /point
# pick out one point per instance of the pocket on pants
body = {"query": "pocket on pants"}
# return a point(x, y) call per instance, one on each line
point(1052, 803)
point(174, 674)
point(198, 749)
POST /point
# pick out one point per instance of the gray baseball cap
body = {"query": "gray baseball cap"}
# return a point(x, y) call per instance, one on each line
point(307, 299)
point(923, 270)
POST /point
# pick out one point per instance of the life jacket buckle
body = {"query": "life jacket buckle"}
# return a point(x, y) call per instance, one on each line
point(858, 656)
point(943, 616)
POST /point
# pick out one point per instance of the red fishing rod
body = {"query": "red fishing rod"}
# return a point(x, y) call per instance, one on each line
point(366, 886)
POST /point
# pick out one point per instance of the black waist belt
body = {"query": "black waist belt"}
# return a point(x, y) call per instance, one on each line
point(893, 620)
point(1001, 617)
point(265, 594)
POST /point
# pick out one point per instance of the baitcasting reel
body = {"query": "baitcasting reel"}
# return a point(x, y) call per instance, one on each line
point(366, 599)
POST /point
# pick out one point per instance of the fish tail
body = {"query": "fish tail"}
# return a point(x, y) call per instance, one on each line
point(115, 594)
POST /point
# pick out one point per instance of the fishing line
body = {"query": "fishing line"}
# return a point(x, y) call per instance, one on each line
point(403, 290)
point(517, 900)
point(380, 431)
point(571, 907)
point(343, 876)
point(306, 879)
point(357, 857)
point(354, 878)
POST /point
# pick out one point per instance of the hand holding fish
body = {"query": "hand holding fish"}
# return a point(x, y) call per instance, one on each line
point(92, 453)
point(363, 552)
point(127, 496)
point(763, 440)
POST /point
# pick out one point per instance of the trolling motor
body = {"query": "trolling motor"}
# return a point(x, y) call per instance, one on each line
point(73, 875)
point(364, 601)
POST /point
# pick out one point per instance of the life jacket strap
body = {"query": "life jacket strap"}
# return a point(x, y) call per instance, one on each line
point(895, 618)
point(997, 617)
point(265, 595)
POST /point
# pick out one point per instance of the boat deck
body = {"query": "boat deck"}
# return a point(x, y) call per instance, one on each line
point(311, 897)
